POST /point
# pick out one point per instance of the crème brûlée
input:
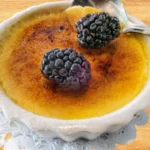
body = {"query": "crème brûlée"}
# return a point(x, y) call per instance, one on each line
point(119, 71)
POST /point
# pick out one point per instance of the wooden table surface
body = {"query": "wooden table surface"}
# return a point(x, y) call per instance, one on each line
point(138, 8)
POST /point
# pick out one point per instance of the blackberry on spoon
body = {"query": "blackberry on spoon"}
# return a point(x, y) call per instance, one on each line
point(97, 30)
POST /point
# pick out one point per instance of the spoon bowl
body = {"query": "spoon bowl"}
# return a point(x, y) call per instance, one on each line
point(116, 8)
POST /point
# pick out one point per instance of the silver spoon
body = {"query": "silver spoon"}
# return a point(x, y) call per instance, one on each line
point(116, 8)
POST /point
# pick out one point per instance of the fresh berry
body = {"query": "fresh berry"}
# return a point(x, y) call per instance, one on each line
point(66, 67)
point(97, 30)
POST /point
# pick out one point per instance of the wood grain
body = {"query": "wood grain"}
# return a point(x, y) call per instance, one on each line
point(138, 8)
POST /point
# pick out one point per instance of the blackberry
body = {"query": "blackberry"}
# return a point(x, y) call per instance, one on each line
point(66, 67)
point(97, 30)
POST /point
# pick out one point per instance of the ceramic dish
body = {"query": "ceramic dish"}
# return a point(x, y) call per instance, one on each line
point(69, 130)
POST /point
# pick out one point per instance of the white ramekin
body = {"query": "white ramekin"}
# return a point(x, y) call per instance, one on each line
point(72, 129)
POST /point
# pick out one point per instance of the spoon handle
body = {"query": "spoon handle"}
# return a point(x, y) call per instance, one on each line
point(137, 28)
point(81, 3)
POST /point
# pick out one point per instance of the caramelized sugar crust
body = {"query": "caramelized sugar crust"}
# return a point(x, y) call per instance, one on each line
point(119, 71)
